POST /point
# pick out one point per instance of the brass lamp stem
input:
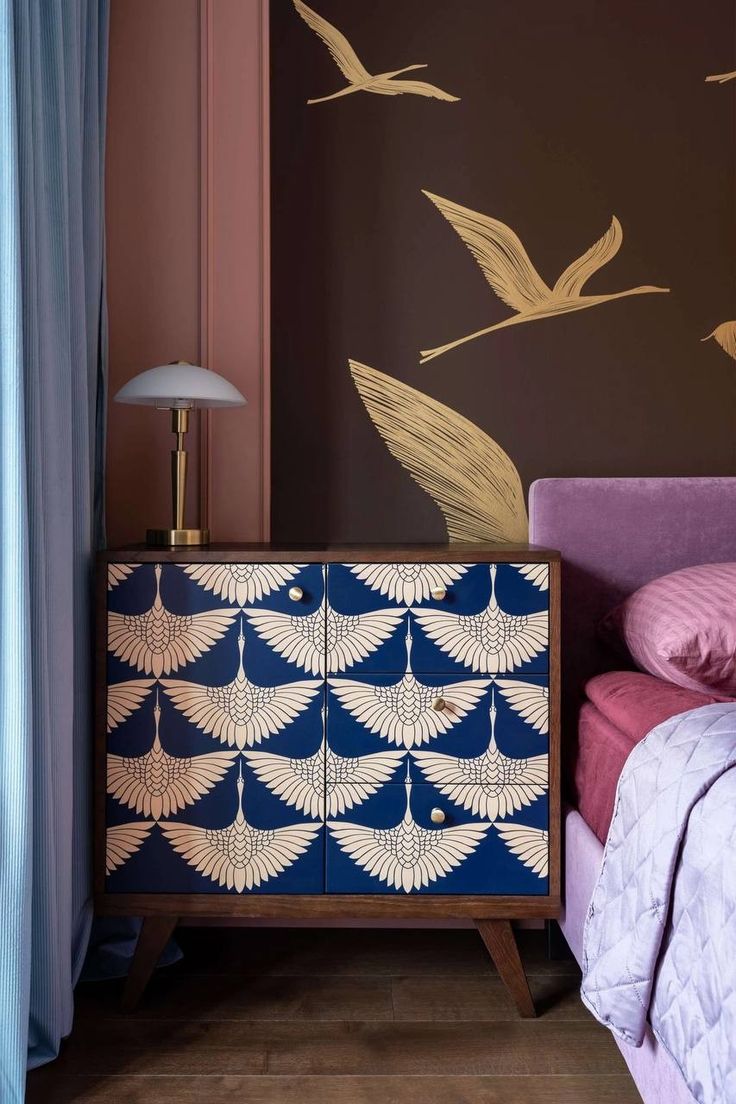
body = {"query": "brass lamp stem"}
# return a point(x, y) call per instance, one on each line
point(178, 534)
point(179, 426)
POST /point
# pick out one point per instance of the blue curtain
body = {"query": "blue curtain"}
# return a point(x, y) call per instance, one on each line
point(53, 57)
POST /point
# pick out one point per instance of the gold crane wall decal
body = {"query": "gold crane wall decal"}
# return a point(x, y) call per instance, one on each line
point(725, 335)
point(351, 67)
point(511, 274)
point(722, 78)
point(469, 476)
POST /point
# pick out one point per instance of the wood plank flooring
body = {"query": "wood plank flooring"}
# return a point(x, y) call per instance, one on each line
point(337, 1017)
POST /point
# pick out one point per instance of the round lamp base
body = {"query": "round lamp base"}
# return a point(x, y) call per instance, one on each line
point(171, 538)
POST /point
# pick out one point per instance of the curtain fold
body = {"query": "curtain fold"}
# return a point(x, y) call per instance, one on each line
point(52, 398)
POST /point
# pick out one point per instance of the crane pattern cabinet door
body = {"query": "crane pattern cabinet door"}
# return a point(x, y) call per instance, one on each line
point(358, 728)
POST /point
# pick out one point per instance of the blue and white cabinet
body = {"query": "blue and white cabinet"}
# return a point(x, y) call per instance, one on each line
point(327, 728)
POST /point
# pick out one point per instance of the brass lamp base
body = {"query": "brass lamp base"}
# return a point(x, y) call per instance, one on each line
point(160, 538)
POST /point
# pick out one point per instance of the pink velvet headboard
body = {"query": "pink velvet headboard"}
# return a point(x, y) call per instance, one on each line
point(614, 536)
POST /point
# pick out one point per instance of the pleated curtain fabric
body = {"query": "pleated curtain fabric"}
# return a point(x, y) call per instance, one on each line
point(53, 58)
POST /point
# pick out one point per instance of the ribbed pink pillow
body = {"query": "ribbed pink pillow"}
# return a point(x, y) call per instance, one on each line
point(682, 627)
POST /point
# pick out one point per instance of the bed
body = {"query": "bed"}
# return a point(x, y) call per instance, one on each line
point(614, 536)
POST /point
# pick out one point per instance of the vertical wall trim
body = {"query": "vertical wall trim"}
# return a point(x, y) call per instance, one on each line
point(265, 244)
point(206, 104)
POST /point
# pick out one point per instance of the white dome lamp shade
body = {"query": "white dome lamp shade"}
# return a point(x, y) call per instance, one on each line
point(179, 387)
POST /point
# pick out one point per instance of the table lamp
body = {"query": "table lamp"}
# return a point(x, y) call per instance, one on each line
point(179, 387)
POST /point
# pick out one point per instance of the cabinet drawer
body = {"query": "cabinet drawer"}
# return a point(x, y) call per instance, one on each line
point(484, 618)
point(365, 714)
point(391, 845)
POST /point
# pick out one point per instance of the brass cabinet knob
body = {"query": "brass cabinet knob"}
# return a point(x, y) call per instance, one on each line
point(296, 593)
point(439, 593)
point(437, 816)
point(439, 704)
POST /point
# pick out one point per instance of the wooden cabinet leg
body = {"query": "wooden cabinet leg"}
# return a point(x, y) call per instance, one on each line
point(501, 945)
point(154, 935)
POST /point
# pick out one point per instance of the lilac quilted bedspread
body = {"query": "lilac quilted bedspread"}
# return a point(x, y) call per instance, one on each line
point(660, 936)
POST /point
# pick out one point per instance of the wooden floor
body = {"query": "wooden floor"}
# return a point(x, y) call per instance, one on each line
point(337, 1017)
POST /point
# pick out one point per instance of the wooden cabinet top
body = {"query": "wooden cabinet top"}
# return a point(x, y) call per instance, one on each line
point(332, 553)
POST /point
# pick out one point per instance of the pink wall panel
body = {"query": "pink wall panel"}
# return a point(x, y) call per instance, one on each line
point(186, 238)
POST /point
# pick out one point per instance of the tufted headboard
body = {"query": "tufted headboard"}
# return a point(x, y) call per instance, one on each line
point(614, 536)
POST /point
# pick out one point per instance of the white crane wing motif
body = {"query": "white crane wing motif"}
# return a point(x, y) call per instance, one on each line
point(491, 785)
point(537, 573)
point(123, 840)
point(157, 784)
point(530, 845)
point(157, 642)
point(408, 584)
point(242, 583)
point(240, 856)
point(492, 641)
point(408, 712)
point(324, 784)
point(116, 572)
point(325, 641)
point(529, 700)
point(241, 713)
point(408, 857)
point(123, 698)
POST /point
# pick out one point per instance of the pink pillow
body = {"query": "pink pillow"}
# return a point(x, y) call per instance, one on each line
point(682, 627)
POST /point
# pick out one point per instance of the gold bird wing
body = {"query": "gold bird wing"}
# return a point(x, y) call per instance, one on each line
point(403, 712)
point(407, 859)
point(725, 335)
point(341, 51)
point(529, 700)
point(470, 477)
point(242, 583)
point(160, 785)
point(570, 283)
point(491, 642)
point(536, 573)
point(123, 840)
point(240, 857)
point(116, 572)
point(722, 78)
point(491, 785)
point(408, 584)
point(418, 88)
point(298, 782)
point(244, 714)
point(123, 698)
point(499, 252)
point(301, 640)
point(352, 781)
point(530, 845)
point(159, 642)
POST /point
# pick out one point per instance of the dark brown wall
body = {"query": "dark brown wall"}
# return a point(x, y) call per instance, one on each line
point(569, 113)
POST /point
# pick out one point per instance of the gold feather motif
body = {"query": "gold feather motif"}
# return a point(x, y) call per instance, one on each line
point(512, 276)
point(725, 335)
point(470, 477)
point(530, 845)
point(408, 584)
point(722, 78)
point(158, 642)
point(116, 572)
point(351, 67)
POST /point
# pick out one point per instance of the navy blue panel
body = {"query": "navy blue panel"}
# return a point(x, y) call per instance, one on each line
point(156, 867)
point(491, 869)
point(468, 595)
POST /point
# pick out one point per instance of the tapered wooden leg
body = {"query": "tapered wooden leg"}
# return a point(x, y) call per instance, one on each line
point(154, 935)
point(501, 945)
